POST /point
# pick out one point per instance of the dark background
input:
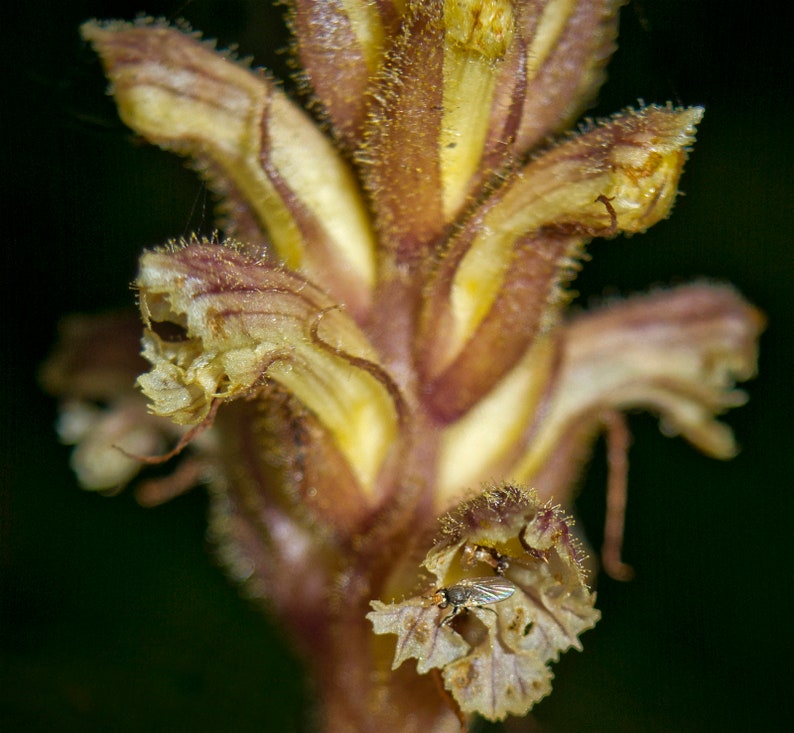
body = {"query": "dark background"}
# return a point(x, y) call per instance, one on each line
point(115, 618)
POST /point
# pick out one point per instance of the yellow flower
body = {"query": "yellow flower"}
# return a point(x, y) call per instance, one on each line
point(381, 334)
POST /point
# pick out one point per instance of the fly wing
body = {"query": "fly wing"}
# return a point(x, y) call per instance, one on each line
point(490, 589)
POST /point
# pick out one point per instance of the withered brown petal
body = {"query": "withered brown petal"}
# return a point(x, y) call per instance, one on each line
point(96, 358)
point(399, 158)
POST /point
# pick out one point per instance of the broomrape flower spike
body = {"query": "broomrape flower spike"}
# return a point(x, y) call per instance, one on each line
point(380, 332)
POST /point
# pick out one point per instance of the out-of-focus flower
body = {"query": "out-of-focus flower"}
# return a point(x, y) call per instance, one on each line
point(381, 334)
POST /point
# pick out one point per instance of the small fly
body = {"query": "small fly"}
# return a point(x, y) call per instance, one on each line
point(472, 593)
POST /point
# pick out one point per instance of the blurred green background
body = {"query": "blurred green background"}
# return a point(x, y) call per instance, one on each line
point(116, 618)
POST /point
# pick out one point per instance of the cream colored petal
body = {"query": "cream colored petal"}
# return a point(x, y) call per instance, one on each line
point(107, 440)
point(479, 34)
point(677, 353)
point(500, 283)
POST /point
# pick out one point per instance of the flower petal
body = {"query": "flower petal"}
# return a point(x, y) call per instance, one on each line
point(674, 352)
point(495, 681)
point(503, 271)
point(282, 180)
point(240, 323)
point(421, 637)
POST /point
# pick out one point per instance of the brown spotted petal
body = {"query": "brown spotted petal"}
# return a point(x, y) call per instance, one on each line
point(496, 681)
point(499, 284)
point(341, 45)
point(509, 642)
point(222, 325)
point(677, 353)
point(423, 638)
point(282, 181)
